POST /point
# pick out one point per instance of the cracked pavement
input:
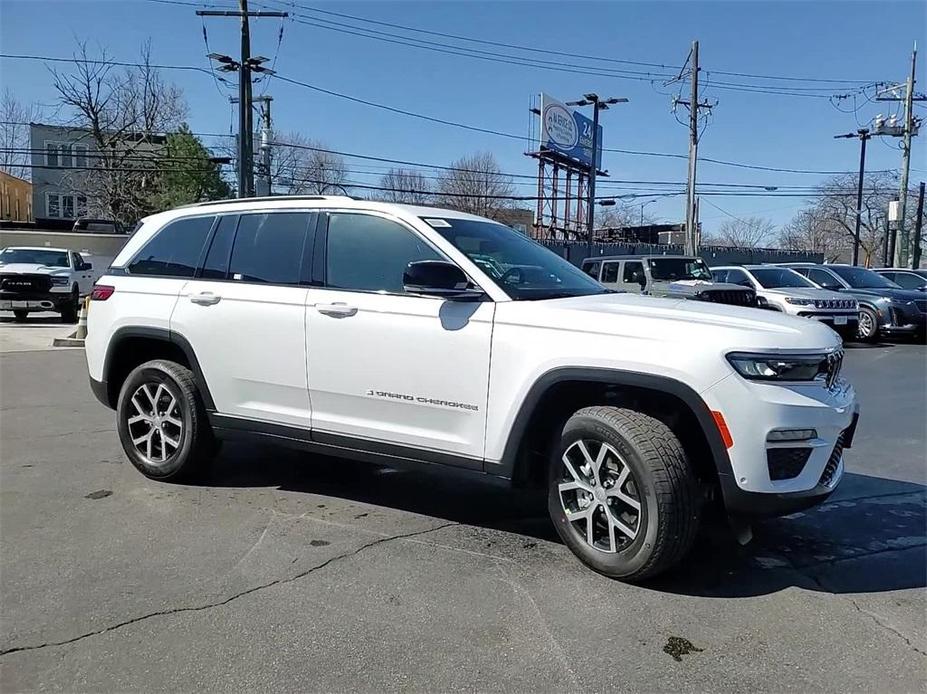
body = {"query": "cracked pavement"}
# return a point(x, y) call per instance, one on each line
point(283, 571)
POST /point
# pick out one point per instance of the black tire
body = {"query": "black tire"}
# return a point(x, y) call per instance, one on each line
point(868, 328)
point(195, 444)
point(664, 485)
point(70, 309)
point(20, 315)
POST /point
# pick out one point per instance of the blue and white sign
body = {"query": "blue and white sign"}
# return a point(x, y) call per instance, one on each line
point(568, 132)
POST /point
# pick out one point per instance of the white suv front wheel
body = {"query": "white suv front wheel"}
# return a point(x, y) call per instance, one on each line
point(622, 494)
point(162, 422)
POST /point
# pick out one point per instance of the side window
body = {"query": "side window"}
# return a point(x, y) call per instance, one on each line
point(216, 265)
point(906, 280)
point(75, 261)
point(371, 253)
point(633, 273)
point(269, 247)
point(739, 277)
point(719, 276)
point(175, 250)
point(592, 270)
point(609, 272)
point(822, 278)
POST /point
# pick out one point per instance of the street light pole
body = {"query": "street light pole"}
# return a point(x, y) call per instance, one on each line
point(592, 99)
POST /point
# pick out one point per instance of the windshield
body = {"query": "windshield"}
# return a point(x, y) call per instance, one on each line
point(861, 278)
point(672, 269)
point(523, 269)
point(34, 256)
point(773, 278)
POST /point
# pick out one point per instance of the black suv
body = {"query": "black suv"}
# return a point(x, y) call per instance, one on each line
point(884, 307)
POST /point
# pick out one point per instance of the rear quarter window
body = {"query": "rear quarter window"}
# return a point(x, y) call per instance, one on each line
point(175, 250)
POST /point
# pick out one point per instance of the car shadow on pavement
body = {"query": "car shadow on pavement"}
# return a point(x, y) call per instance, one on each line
point(869, 537)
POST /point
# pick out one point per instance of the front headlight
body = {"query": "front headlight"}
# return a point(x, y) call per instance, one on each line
point(61, 281)
point(760, 367)
point(799, 302)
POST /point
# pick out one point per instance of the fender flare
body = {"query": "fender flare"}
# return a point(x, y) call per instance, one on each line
point(661, 384)
point(164, 335)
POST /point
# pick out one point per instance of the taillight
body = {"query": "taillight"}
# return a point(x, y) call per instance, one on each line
point(101, 292)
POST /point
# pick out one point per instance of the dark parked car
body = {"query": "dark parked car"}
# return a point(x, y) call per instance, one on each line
point(884, 307)
point(905, 277)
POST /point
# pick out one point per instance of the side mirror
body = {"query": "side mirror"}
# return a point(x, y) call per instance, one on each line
point(439, 278)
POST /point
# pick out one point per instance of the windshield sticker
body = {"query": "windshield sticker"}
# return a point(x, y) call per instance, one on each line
point(438, 223)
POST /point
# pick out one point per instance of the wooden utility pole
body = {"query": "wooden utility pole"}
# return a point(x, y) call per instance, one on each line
point(901, 252)
point(245, 66)
point(691, 217)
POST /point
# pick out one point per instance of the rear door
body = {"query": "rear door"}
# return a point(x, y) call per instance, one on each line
point(244, 315)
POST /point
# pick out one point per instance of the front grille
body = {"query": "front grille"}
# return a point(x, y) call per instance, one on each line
point(833, 463)
point(24, 283)
point(729, 296)
point(921, 305)
point(786, 463)
point(834, 303)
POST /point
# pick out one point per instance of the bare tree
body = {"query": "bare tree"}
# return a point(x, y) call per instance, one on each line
point(406, 186)
point(747, 232)
point(126, 115)
point(304, 166)
point(827, 224)
point(476, 185)
point(14, 135)
point(622, 216)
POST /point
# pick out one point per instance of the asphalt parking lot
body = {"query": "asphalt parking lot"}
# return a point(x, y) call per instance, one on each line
point(286, 572)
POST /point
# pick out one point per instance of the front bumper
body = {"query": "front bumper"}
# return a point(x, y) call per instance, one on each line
point(748, 488)
point(901, 319)
point(33, 301)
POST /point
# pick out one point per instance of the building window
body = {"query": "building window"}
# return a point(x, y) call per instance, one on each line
point(64, 206)
point(65, 155)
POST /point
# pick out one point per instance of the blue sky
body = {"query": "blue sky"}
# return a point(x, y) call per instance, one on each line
point(820, 40)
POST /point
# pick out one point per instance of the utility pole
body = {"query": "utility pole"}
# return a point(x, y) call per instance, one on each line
point(902, 255)
point(916, 246)
point(695, 108)
point(691, 217)
point(592, 99)
point(245, 66)
point(864, 136)
point(262, 185)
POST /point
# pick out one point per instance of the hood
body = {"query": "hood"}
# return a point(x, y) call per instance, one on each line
point(691, 323)
point(31, 269)
point(803, 293)
point(693, 287)
point(887, 293)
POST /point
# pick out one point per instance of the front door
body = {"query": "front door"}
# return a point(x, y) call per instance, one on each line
point(244, 315)
point(390, 371)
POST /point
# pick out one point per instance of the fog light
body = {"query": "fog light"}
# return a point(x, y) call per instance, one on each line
point(791, 435)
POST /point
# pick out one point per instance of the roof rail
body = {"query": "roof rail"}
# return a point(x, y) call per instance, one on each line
point(270, 197)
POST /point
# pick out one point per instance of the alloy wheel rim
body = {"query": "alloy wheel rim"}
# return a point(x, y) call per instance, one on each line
point(865, 324)
point(599, 495)
point(155, 424)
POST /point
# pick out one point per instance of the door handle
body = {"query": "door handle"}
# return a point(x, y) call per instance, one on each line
point(336, 310)
point(205, 298)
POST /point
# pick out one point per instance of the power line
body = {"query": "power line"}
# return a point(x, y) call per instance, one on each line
point(532, 49)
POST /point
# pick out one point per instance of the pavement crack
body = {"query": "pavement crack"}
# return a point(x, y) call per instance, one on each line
point(231, 598)
point(887, 627)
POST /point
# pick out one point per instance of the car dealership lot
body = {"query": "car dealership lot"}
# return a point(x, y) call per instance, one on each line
point(284, 571)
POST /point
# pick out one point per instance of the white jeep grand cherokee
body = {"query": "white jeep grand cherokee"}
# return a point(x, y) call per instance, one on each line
point(409, 335)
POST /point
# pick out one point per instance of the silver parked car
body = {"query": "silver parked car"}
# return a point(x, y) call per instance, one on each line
point(782, 289)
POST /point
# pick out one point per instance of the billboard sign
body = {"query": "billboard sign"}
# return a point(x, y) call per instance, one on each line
point(568, 132)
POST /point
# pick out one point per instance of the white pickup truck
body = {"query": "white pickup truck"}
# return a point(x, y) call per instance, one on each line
point(43, 279)
point(420, 336)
